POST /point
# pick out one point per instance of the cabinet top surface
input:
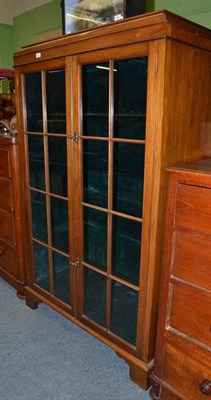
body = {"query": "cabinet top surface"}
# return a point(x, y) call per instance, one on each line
point(150, 26)
point(8, 139)
point(198, 166)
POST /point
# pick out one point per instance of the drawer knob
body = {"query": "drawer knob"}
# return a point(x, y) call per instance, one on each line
point(205, 387)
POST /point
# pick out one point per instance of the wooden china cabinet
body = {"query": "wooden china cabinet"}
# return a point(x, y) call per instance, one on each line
point(101, 113)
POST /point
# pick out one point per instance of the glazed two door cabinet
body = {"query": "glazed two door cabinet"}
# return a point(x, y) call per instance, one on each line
point(101, 113)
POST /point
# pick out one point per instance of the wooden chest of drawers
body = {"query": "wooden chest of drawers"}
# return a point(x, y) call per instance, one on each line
point(183, 353)
point(11, 255)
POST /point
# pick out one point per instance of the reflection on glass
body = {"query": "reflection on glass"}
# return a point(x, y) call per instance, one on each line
point(126, 236)
point(124, 307)
point(33, 96)
point(95, 237)
point(95, 172)
point(130, 98)
point(59, 224)
point(41, 266)
point(56, 110)
point(36, 162)
point(128, 178)
point(61, 277)
point(95, 99)
point(57, 151)
point(39, 221)
point(95, 296)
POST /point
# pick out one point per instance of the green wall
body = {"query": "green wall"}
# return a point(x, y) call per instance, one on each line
point(32, 23)
point(26, 27)
point(198, 11)
point(149, 5)
point(6, 46)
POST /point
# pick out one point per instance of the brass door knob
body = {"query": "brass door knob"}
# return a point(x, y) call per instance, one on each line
point(205, 387)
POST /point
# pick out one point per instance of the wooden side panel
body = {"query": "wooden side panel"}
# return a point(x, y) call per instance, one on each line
point(186, 119)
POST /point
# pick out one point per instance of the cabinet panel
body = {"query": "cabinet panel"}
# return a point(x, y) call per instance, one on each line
point(95, 172)
point(5, 163)
point(193, 208)
point(195, 250)
point(95, 237)
point(5, 194)
point(8, 260)
point(126, 243)
point(7, 227)
point(130, 98)
point(33, 103)
point(36, 162)
point(55, 101)
point(41, 265)
point(185, 367)
point(57, 153)
point(95, 296)
point(39, 216)
point(95, 80)
point(62, 283)
point(59, 224)
point(191, 312)
point(128, 178)
point(124, 308)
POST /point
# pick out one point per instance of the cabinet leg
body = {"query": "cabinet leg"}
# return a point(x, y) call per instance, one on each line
point(20, 291)
point(139, 372)
point(139, 376)
point(20, 295)
point(153, 395)
point(155, 387)
point(31, 301)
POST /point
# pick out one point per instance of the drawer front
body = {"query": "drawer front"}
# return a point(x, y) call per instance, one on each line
point(8, 260)
point(7, 227)
point(5, 163)
point(186, 366)
point(193, 208)
point(191, 313)
point(5, 194)
point(191, 259)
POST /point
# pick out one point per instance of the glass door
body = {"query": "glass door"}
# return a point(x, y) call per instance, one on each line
point(46, 147)
point(112, 153)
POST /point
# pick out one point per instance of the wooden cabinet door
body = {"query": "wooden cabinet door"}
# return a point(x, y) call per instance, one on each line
point(47, 160)
point(110, 121)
